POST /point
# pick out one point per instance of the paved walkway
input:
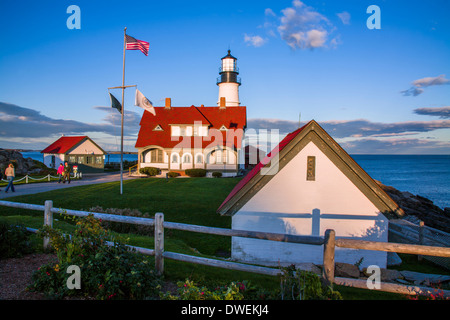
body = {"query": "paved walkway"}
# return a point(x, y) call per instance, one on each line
point(30, 188)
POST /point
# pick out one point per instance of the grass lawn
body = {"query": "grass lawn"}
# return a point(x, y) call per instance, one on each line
point(185, 200)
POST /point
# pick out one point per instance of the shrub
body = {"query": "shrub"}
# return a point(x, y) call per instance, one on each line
point(14, 240)
point(107, 271)
point(217, 174)
point(125, 227)
point(188, 290)
point(150, 171)
point(173, 174)
point(298, 284)
point(195, 172)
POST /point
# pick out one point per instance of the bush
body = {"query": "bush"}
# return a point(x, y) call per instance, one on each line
point(14, 240)
point(173, 174)
point(298, 284)
point(125, 227)
point(107, 271)
point(217, 174)
point(188, 290)
point(195, 172)
point(150, 171)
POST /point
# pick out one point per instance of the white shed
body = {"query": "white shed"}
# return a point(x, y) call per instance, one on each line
point(309, 184)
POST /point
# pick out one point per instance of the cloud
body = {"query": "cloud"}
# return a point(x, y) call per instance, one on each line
point(443, 112)
point(363, 136)
point(419, 84)
point(302, 27)
point(345, 17)
point(255, 41)
point(360, 128)
point(20, 122)
point(396, 146)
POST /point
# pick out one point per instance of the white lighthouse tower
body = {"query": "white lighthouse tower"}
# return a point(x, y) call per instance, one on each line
point(229, 82)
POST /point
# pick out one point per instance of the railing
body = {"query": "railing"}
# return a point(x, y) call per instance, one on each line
point(48, 177)
point(329, 243)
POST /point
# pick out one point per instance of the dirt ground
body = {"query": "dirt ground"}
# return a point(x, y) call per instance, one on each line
point(15, 276)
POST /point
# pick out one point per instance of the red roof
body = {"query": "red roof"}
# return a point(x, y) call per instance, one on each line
point(63, 144)
point(255, 171)
point(214, 117)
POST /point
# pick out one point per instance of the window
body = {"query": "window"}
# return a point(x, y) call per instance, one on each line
point(72, 159)
point(156, 156)
point(80, 159)
point(199, 158)
point(88, 160)
point(174, 158)
point(98, 160)
point(187, 158)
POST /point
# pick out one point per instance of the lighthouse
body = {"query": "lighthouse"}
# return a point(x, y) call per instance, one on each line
point(228, 82)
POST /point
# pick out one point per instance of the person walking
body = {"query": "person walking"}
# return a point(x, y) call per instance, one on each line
point(67, 170)
point(60, 172)
point(10, 174)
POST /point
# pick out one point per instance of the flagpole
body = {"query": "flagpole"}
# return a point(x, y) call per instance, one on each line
point(123, 110)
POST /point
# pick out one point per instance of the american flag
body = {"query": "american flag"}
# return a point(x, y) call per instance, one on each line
point(134, 44)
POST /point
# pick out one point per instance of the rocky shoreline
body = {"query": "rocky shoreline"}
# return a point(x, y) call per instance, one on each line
point(422, 208)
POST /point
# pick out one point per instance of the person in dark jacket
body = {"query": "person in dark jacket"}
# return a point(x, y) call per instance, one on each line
point(67, 170)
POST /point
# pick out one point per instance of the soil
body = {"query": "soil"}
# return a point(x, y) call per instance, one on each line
point(15, 276)
point(16, 273)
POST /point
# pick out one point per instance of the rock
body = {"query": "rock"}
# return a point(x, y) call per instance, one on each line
point(22, 165)
point(424, 278)
point(346, 270)
point(393, 259)
point(311, 267)
point(420, 207)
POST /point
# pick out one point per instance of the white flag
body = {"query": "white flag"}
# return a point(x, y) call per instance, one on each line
point(143, 102)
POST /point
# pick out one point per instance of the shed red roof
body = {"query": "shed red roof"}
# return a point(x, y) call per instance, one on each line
point(64, 144)
point(214, 117)
point(262, 163)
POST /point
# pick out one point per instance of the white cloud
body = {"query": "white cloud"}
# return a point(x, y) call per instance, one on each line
point(302, 27)
point(256, 41)
point(345, 17)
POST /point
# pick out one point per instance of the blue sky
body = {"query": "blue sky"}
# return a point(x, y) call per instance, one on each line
point(374, 90)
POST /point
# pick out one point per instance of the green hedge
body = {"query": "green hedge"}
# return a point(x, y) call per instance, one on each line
point(173, 174)
point(217, 174)
point(150, 171)
point(195, 172)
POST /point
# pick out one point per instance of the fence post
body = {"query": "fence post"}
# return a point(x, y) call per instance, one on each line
point(159, 243)
point(48, 221)
point(328, 257)
point(421, 226)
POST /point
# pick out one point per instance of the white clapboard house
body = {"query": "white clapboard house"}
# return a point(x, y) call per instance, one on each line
point(306, 185)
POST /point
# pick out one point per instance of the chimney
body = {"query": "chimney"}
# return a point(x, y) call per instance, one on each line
point(222, 103)
point(168, 103)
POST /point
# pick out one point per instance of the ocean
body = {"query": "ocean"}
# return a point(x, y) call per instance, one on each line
point(424, 175)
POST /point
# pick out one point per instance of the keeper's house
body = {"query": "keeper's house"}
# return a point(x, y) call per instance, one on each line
point(306, 185)
point(80, 151)
point(180, 138)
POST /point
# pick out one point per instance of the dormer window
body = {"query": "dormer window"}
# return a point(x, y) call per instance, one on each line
point(223, 128)
point(158, 128)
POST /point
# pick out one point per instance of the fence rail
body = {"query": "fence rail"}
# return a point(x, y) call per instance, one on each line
point(329, 243)
point(47, 177)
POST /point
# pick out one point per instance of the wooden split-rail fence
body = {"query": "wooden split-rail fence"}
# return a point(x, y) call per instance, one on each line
point(328, 241)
